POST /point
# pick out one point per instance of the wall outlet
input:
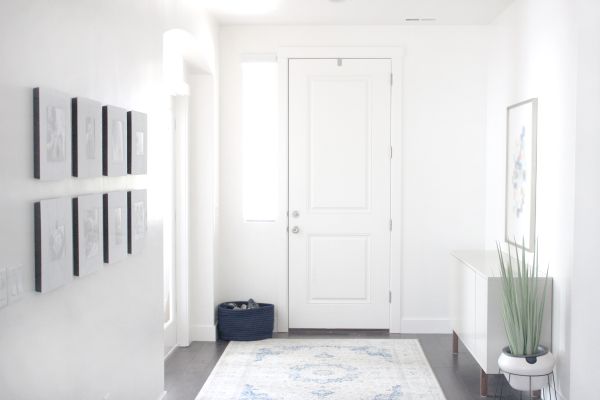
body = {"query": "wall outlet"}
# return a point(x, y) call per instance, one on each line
point(15, 283)
point(3, 287)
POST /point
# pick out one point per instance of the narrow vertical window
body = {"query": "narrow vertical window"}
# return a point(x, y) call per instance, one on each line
point(260, 139)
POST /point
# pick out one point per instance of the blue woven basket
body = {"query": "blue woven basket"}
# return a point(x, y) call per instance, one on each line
point(246, 325)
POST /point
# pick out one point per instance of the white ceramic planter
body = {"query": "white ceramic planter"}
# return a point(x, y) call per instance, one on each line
point(527, 373)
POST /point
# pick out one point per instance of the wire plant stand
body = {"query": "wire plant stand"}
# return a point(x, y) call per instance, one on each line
point(548, 390)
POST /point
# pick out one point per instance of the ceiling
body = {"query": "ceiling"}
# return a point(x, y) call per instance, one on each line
point(356, 12)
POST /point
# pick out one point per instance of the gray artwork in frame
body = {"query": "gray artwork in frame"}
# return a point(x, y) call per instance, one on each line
point(88, 251)
point(53, 244)
point(521, 171)
point(137, 220)
point(114, 141)
point(51, 134)
point(115, 226)
point(86, 137)
point(137, 143)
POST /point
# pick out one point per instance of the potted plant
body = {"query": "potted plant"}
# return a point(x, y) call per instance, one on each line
point(524, 360)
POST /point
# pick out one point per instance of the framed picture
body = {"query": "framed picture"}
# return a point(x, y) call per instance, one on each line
point(87, 234)
point(115, 226)
point(51, 134)
point(137, 143)
point(86, 137)
point(114, 141)
point(521, 164)
point(53, 244)
point(137, 221)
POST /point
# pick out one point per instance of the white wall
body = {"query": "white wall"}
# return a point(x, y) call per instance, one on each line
point(586, 274)
point(443, 160)
point(101, 335)
point(532, 53)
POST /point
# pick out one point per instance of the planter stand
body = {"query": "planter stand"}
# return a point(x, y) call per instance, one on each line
point(551, 388)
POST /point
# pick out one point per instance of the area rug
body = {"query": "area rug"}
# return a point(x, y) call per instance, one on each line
point(329, 369)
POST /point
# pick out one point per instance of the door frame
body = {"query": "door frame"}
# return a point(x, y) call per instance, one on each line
point(183, 63)
point(396, 55)
point(182, 212)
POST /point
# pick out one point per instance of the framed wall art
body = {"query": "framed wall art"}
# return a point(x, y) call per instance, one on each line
point(87, 234)
point(114, 141)
point(115, 226)
point(86, 137)
point(137, 143)
point(521, 165)
point(51, 134)
point(53, 244)
point(137, 220)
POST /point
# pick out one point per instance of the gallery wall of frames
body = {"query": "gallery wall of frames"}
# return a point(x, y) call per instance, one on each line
point(80, 137)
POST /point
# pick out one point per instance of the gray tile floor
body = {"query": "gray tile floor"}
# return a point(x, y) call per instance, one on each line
point(186, 369)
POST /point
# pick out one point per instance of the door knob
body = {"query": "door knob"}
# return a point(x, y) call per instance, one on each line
point(295, 214)
point(295, 229)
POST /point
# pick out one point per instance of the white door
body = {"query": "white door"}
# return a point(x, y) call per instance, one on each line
point(339, 193)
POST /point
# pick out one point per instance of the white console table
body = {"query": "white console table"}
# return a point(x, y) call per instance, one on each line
point(476, 309)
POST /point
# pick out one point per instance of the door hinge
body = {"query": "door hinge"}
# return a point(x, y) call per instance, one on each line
point(391, 79)
point(391, 151)
point(390, 299)
point(390, 224)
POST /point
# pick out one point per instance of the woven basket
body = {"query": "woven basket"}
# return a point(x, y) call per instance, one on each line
point(246, 325)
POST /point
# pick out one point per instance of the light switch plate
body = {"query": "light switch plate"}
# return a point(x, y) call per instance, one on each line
point(15, 283)
point(3, 287)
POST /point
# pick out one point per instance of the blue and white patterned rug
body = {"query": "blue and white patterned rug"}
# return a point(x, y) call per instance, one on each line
point(323, 369)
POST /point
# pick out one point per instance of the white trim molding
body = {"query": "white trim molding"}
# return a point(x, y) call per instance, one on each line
point(182, 230)
point(396, 55)
point(422, 325)
point(203, 333)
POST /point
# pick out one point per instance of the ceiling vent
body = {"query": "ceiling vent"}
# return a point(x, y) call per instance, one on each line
point(420, 19)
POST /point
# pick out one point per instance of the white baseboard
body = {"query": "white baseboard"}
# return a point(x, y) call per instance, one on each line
point(425, 326)
point(171, 352)
point(203, 333)
point(163, 395)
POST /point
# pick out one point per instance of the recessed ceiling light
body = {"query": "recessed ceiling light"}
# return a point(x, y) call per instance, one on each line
point(242, 7)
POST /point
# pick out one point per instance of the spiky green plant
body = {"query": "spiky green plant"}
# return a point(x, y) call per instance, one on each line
point(522, 305)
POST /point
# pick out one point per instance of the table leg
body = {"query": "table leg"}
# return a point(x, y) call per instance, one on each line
point(483, 384)
point(454, 343)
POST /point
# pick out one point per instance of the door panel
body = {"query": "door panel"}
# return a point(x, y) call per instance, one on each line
point(332, 257)
point(330, 169)
point(339, 193)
